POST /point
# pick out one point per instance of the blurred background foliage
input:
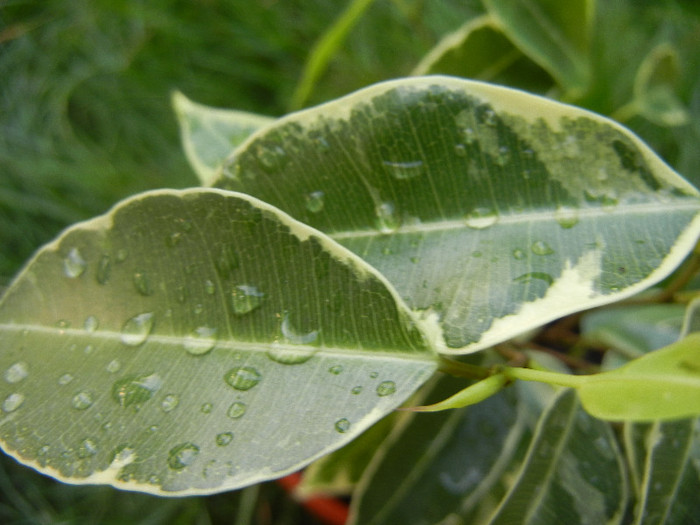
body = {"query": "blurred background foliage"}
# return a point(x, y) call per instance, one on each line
point(86, 120)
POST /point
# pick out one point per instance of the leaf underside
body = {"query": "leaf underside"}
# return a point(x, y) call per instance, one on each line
point(197, 341)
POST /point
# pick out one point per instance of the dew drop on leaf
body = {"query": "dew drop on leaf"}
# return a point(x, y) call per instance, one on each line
point(336, 369)
point(224, 438)
point(65, 379)
point(12, 402)
point(541, 248)
point(113, 366)
point(104, 269)
point(135, 390)
point(143, 284)
point(503, 156)
point(246, 298)
point(386, 388)
point(137, 329)
point(404, 170)
point(315, 201)
point(17, 372)
point(209, 287)
point(206, 408)
point(82, 400)
point(200, 341)
point(387, 217)
point(531, 276)
point(242, 377)
point(566, 217)
point(342, 425)
point(183, 455)
point(122, 254)
point(460, 150)
point(236, 410)
point(91, 323)
point(122, 456)
point(169, 403)
point(518, 254)
point(173, 239)
point(356, 390)
point(87, 448)
point(293, 336)
point(226, 261)
point(73, 264)
point(481, 218)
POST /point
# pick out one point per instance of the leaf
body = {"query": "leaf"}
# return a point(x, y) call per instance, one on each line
point(190, 342)
point(664, 384)
point(209, 134)
point(479, 50)
point(573, 472)
point(556, 35)
point(488, 209)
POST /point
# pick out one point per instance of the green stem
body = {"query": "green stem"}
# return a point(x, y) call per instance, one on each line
point(457, 369)
point(552, 378)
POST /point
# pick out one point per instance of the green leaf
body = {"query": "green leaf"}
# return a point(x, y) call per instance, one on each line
point(196, 341)
point(555, 34)
point(488, 209)
point(573, 472)
point(664, 384)
point(210, 134)
point(479, 50)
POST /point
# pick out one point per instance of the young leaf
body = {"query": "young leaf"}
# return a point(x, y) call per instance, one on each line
point(196, 341)
point(209, 134)
point(492, 210)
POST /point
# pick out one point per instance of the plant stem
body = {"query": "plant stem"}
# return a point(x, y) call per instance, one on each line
point(552, 378)
point(458, 369)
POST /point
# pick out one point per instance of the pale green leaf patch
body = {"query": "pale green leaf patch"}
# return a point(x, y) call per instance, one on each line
point(190, 342)
point(490, 210)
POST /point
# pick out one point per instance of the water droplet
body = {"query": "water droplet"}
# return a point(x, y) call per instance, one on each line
point(226, 261)
point(122, 254)
point(17, 372)
point(173, 239)
point(113, 366)
point(374, 375)
point(481, 218)
point(315, 201)
point(135, 390)
point(91, 323)
point(541, 248)
point(170, 402)
point(122, 456)
point(518, 254)
point(143, 284)
point(404, 170)
point(570, 147)
point(198, 308)
point(206, 408)
point(183, 455)
point(200, 341)
point(104, 269)
point(242, 377)
point(460, 150)
point(294, 337)
point(137, 329)
point(336, 369)
point(503, 156)
point(224, 439)
point(65, 379)
point(489, 117)
point(73, 264)
point(386, 388)
point(530, 276)
point(209, 287)
point(356, 390)
point(62, 324)
point(245, 299)
point(236, 410)
point(387, 218)
point(566, 217)
point(87, 448)
point(271, 157)
point(88, 349)
point(12, 402)
point(82, 400)
point(342, 425)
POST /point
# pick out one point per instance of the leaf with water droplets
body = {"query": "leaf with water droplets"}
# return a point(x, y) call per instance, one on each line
point(536, 188)
point(201, 372)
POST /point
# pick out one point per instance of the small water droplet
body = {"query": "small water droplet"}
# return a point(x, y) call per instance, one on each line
point(137, 329)
point(198, 309)
point(530, 276)
point(170, 402)
point(342, 425)
point(87, 448)
point(143, 284)
point(91, 323)
point(17, 372)
point(481, 218)
point(271, 157)
point(489, 117)
point(374, 375)
point(209, 287)
point(122, 456)
point(570, 147)
point(541, 248)
point(88, 349)
point(567, 217)
point(113, 366)
point(122, 254)
point(224, 439)
point(104, 269)
point(356, 390)
point(460, 150)
point(65, 379)
point(133, 391)
point(12, 402)
point(73, 264)
point(173, 239)
point(518, 254)
point(315, 201)
point(293, 336)
point(206, 408)
point(387, 219)
point(386, 388)
point(242, 377)
point(336, 369)
point(183, 455)
point(82, 400)
point(200, 341)
point(404, 170)
point(62, 324)
point(236, 410)
point(245, 299)
point(503, 156)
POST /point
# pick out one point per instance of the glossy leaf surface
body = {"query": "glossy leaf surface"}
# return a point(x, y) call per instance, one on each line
point(489, 209)
point(197, 341)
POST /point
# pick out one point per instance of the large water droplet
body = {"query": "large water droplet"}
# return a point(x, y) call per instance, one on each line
point(170, 402)
point(200, 341)
point(342, 425)
point(12, 402)
point(386, 388)
point(104, 269)
point(91, 323)
point(143, 284)
point(224, 439)
point(541, 248)
point(566, 217)
point(87, 448)
point(242, 377)
point(137, 329)
point(134, 391)
point(73, 264)
point(17, 372)
point(183, 455)
point(481, 218)
point(236, 410)
point(315, 201)
point(387, 218)
point(404, 170)
point(82, 400)
point(245, 299)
